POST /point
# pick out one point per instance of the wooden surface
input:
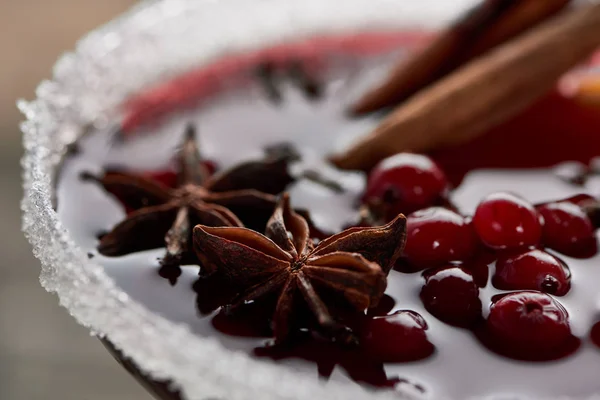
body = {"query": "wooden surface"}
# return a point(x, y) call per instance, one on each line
point(44, 354)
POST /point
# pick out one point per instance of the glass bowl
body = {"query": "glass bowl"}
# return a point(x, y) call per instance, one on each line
point(153, 43)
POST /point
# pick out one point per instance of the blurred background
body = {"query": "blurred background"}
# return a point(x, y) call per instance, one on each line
point(44, 354)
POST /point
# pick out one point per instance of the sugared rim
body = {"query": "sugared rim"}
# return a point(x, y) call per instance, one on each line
point(159, 40)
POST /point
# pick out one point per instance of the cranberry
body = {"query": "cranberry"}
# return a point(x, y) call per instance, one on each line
point(406, 183)
point(451, 294)
point(505, 221)
point(435, 236)
point(532, 270)
point(397, 337)
point(595, 334)
point(568, 229)
point(529, 325)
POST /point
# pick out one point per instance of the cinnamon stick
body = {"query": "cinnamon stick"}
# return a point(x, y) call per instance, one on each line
point(483, 93)
point(526, 14)
point(485, 26)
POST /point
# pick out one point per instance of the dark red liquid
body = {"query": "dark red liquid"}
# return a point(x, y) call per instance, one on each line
point(553, 130)
point(595, 334)
point(569, 347)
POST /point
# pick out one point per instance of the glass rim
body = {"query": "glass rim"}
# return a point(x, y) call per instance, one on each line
point(138, 49)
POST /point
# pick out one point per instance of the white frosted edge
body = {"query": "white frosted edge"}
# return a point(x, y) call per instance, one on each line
point(154, 41)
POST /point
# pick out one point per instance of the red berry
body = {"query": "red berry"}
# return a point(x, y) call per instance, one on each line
point(435, 236)
point(595, 334)
point(568, 229)
point(397, 337)
point(505, 221)
point(406, 183)
point(529, 325)
point(532, 270)
point(451, 295)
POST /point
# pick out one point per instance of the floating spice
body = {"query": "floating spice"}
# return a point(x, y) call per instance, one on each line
point(163, 216)
point(351, 266)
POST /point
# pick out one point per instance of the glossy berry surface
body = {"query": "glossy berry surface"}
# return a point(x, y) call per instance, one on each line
point(451, 295)
point(400, 336)
point(568, 229)
point(505, 221)
point(529, 325)
point(406, 183)
point(532, 270)
point(435, 236)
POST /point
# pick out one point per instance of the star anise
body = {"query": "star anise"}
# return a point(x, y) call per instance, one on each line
point(165, 216)
point(272, 75)
point(349, 267)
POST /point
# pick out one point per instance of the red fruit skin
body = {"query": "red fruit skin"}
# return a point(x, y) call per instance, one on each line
point(529, 325)
point(532, 270)
point(406, 182)
point(398, 337)
point(451, 295)
point(436, 236)
point(568, 229)
point(505, 221)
